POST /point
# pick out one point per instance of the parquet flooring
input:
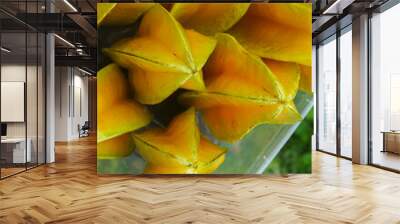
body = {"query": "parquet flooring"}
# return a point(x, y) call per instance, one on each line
point(11, 170)
point(70, 191)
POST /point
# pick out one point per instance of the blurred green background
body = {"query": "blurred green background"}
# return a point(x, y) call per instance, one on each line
point(295, 157)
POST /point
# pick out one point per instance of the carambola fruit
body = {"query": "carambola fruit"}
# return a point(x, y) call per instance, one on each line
point(244, 91)
point(117, 113)
point(162, 57)
point(306, 79)
point(119, 14)
point(117, 147)
point(178, 149)
point(278, 31)
point(208, 18)
point(239, 79)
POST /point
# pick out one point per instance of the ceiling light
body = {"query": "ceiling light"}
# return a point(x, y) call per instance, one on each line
point(84, 71)
point(80, 51)
point(5, 50)
point(70, 5)
point(64, 40)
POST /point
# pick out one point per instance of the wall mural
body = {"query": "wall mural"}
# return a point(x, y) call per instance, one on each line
point(204, 88)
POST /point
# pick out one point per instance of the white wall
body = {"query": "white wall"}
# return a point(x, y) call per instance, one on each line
point(13, 101)
point(61, 103)
point(33, 127)
point(80, 110)
point(71, 94)
point(13, 72)
point(16, 73)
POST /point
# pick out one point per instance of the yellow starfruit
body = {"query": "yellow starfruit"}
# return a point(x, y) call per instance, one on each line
point(118, 14)
point(306, 79)
point(179, 149)
point(117, 113)
point(162, 57)
point(278, 31)
point(116, 147)
point(208, 18)
point(244, 91)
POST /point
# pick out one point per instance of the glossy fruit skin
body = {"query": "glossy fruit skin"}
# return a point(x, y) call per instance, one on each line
point(209, 18)
point(114, 14)
point(162, 57)
point(243, 91)
point(237, 80)
point(269, 31)
point(306, 79)
point(178, 149)
point(117, 114)
point(115, 148)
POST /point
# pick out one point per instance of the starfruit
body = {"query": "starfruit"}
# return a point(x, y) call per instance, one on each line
point(117, 147)
point(208, 18)
point(278, 31)
point(118, 14)
point(244, 91)
point(162, 57)
point(117, 113)
point(178, 149)
point(167, 6)
point(306, 79)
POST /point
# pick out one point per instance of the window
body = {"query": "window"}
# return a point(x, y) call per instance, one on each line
point(385, 89)
point(327, 96)
point(346, 93)
point(22, 77)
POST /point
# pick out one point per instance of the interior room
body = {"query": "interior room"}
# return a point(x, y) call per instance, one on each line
point(346, 143)
point(385, 123)
point(22, 102)
point(25, 64)
point(335, 91)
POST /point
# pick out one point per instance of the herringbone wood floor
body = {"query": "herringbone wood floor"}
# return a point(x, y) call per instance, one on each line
point(70, 191)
